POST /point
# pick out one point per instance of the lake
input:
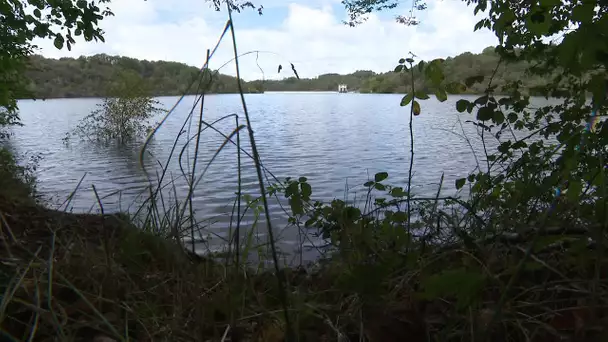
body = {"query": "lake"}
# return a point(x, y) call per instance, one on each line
point(337, 141)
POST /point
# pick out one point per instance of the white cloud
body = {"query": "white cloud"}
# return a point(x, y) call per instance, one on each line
point(311, 36)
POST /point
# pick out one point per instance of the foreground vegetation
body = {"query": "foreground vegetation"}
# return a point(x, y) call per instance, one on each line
point(80, 276)
point(521, 258)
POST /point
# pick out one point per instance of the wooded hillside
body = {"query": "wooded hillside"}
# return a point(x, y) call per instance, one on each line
point(90, 76)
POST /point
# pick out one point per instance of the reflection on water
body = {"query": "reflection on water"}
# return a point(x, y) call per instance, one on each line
point(336, 140)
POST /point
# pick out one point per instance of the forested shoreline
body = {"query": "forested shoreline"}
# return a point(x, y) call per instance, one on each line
point(91, 76)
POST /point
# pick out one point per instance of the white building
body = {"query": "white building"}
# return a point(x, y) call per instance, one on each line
point(342, 88)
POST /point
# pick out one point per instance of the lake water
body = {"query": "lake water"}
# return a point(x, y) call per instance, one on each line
point(335, 140)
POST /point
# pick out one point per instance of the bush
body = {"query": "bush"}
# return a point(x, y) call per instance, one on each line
point(123, 116)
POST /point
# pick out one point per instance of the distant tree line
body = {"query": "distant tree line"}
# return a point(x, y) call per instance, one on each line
point(92, 76)
point(456, 69)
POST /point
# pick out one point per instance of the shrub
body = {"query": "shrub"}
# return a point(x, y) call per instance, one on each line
point(123, 116)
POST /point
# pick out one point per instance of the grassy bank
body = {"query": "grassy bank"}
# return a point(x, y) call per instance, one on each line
point(73, 277)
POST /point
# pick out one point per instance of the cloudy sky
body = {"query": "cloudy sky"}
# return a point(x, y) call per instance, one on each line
point(308, 33)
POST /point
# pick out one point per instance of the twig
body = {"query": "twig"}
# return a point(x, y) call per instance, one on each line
point(196, 147)
point(281, 279)
point(409, 177)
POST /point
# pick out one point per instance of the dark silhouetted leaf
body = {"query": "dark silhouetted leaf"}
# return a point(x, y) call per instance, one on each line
point(397, 192)
point(296, 205)
point(461, 105)
point(460, 183)
point(399, 217)
point(380, 176)
point(484, 114)
point(379, 186)
point(58, 42)
point(306, 190)
point(498, 117)
point(481, 100)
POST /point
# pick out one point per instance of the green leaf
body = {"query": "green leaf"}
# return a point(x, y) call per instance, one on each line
point(399, 217)
point(441, 95)
point(597, 85)
point(461, 284)
point(484, 114)
point(296, 205)
point(512, 117)
point(416, 108)
point(81, 3)
point(421, 95)
point(574, 191)
point(460, 183)
point(481, 100)
point(399, 68)
point(397, 192)
point(402, 60)
point(292, 189)
point(368, 184)
point(380, 176)
point(504, 147)
point(353, 213)
point(584, 12)
point(498, 117)
point(306, 190)
point(37, 13)
point(406, 100)
point(434, 73)
point(409, 60)
point(461, 105)
point(539, 22)
point(58, 41)
point(379, 186)
point(302, 179)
